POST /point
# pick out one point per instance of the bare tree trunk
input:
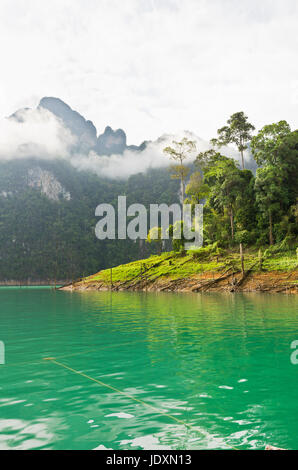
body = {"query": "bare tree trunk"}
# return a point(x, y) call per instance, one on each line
point(182, 190)
point(242, 159)
point(242, 259)
point(232, 222)
point(141, 248)
point(260, 259)
point(271, 241)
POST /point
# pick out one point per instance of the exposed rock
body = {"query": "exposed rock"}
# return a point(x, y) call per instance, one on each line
point(49, 185)
point(6, 193)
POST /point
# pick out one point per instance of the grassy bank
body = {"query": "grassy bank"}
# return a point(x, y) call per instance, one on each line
point(212, 268)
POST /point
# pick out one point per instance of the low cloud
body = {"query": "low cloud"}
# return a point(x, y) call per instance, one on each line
point(40, 134)
point(34, 133)
point(132, 162)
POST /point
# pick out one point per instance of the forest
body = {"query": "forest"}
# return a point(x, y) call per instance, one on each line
point(258, 209)
point(47, 240)
point(54, 240)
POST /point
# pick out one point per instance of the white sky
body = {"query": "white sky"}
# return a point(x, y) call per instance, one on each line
point(153, 66)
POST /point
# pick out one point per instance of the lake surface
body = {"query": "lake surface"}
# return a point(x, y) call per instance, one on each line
point(217, 366)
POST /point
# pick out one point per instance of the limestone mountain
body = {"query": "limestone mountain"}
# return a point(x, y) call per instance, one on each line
point(84, 130)
point(108, 143)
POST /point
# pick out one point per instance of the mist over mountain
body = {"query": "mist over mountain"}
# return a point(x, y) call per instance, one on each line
point(54, 171)
point(84, 131)
point(108, 143)
point(55, 131)
point(55, 168)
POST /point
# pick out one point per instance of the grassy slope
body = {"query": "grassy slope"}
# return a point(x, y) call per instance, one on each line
point(173, 266)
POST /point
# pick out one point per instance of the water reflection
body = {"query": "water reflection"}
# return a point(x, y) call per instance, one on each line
point(220, 363)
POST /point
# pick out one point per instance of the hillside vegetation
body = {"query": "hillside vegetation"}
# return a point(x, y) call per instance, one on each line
point(45, 235)
point(195, 270)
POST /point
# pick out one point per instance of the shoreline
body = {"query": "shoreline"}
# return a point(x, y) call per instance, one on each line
point(29, 283)
point(269, 281)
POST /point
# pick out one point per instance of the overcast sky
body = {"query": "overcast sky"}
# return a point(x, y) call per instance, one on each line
point(153, 66)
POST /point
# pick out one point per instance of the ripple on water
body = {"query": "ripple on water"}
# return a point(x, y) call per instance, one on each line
point(18, 434)
point(120, 415)
point(218, 363)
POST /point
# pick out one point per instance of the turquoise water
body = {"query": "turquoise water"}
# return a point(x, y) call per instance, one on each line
point(219, 363)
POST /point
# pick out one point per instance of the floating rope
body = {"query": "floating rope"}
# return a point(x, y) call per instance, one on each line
point(148, 405)
point(103, 384)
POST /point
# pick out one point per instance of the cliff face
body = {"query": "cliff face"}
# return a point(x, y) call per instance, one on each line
point(30, 168)
point(48, 184)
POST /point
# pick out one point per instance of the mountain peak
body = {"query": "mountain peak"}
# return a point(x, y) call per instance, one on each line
point(85, 133)
point(84, 130)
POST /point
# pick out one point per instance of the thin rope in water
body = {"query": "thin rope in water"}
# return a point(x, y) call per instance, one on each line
point(111, 387)
point(99, 382)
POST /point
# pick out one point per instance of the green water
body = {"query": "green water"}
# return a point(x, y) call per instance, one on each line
point(220, 363)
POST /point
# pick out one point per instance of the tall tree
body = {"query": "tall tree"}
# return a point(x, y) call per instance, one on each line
point(276, 145)
point(206, 159)
point(226, 181)
point(266, 144)
point(270, 195)
point(179, 152)
point(238, 131)
point(196, 189)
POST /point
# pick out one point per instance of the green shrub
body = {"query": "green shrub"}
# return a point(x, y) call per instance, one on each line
point(206, 251)
point(244, 236)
